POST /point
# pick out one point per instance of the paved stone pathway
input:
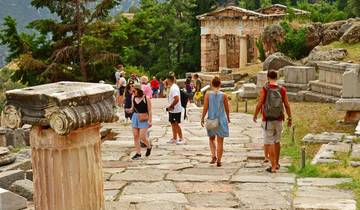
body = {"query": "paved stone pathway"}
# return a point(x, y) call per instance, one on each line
point(177, 177)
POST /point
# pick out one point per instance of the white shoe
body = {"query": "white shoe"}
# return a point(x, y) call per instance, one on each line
point(180, 142)
point(171, 141)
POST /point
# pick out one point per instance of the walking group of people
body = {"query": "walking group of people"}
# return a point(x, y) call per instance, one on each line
point(138, 108)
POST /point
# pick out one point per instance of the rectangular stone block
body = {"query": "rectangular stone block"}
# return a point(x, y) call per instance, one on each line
point(357, 129)
point(11, 201)
point(9, 177)
point(326, 88)
point(299, 74)
point(345, 104)
point(351, 83)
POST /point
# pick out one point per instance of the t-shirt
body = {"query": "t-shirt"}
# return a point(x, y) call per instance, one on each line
point(122, 82)
point(283, 94)
point(175, 91)
point(147, 90)
point(155, 84)
point(117, 76)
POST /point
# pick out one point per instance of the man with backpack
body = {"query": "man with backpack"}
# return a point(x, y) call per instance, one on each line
point(271, 103)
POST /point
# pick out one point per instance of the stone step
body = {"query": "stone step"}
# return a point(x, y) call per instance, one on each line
point(326, 88)
point(318, 97)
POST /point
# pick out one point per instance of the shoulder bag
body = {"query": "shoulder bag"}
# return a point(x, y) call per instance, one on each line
point(142, 116)
point(213, 124)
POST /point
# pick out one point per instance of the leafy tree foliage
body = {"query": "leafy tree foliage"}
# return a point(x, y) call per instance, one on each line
point(355, 5)
point(294, 44)
point(70, 47)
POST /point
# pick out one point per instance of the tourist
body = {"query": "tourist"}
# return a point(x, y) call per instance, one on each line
point(174, 108)
point(161, 88)
point(271, 103)
point(145, 86)
point(128, 102)
point(155, 87)
point(134, 78)
point(141, 120)
point(216, 106)
point(197, 89)
point(120, 84)
point(189, 88)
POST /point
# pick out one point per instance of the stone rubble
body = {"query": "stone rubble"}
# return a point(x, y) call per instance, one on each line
point(11, 201)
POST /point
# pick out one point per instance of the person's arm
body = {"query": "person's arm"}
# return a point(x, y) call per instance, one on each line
point(205, 109)
point(149, 107)
point(288, 110)
point(259, 104)
point(226, 106)
point(176, 100)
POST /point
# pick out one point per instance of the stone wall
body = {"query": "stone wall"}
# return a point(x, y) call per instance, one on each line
point(233, 50)
point(212, 53)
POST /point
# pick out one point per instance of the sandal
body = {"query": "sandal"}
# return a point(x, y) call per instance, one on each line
point(213, 160)
point(218, 164)
point(270, 170)
point(278, 167)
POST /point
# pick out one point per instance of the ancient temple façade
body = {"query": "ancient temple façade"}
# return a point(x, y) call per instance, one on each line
point(229, 34)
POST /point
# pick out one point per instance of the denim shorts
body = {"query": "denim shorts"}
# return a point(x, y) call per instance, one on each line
point(136, 123)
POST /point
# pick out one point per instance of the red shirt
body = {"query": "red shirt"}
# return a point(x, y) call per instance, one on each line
point(154, 84)
point(283, 94)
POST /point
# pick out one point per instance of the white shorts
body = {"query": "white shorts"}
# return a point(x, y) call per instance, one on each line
point(272, 132)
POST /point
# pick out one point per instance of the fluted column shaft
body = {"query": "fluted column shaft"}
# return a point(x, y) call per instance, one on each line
point(67, 169)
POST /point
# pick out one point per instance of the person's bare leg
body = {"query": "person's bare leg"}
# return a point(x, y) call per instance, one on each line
point(220, 149)
point(137, 140)
point(277, 153)
point(143, 137)
point(179, 131)
point(174, 130)
point(270, 148)
point(212, 148)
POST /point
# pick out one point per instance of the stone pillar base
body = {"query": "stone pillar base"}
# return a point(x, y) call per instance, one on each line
point(352, 117)
point(67, 169)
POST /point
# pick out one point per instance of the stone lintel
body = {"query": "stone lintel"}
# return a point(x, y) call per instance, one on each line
point(348, 104)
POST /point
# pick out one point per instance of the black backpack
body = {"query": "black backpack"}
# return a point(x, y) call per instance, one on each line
point(184, 98)
point(273, 107)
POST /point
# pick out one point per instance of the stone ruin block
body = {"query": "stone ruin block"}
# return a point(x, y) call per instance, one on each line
point(357, 129)
point(261, 80)
point(64, 106)
point(327, 152)
point(351, 82)
point(299, 74)
point(11, 201)
point(326, 137)
point(350, 98)
point(248, 91)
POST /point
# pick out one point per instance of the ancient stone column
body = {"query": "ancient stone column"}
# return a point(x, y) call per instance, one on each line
point(222, 53)
point(203, 53)
point(243, 51)
point(65, 141)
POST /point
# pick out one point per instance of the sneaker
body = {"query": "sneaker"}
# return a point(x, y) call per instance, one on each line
point(148, 151)
point(136, 156)
point(142, 144)
point(171, 141)
point(180, 142)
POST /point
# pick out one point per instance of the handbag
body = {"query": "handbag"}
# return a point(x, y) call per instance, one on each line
point(142, 117)
point(213, 124)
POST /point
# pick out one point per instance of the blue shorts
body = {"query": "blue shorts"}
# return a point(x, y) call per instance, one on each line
point(155, 91)
point(136, 123)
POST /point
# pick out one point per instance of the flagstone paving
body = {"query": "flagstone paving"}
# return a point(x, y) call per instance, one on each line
point(179, 177)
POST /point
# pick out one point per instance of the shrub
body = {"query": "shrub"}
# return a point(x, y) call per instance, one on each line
point(294, 44)
point(260, 47)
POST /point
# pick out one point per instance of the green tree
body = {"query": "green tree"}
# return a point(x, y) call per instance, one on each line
point(64, 48)
point(342, 4)
point(293, 2)
point(355, 5)
point(284, 2)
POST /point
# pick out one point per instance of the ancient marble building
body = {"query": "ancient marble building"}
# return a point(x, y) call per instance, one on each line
point(229, 34)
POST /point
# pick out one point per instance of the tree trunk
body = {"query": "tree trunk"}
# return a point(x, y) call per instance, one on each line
point(79, 36)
